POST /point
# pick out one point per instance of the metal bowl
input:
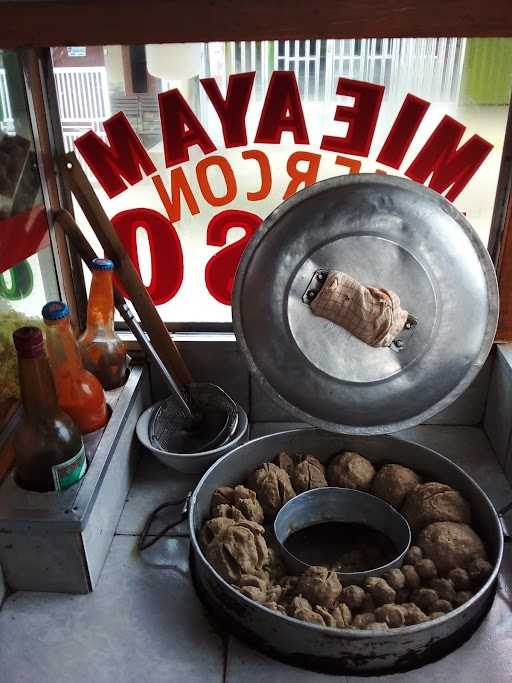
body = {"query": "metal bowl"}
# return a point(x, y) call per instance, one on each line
point(341, 651)
point(333, 504)
point(190, 463)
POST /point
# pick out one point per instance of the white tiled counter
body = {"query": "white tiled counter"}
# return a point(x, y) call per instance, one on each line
point(144, 623)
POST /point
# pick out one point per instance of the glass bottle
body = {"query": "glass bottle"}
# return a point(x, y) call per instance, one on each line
point(49, 451)
point(79, 392)
point(103, 353)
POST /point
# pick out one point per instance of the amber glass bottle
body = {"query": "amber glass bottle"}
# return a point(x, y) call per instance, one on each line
point(50, 454)
point(79, 392)
point(103, 353)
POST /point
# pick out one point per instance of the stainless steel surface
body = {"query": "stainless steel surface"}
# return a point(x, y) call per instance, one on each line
point(190, 462)
point(341, 651)
point(384, 231)
point(150, 596)
point(58, 542)
point(341, 505)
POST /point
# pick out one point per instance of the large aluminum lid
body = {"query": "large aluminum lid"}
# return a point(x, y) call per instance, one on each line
point(385, 232)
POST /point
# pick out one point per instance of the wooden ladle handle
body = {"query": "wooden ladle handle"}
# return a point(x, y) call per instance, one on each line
point(83, 191)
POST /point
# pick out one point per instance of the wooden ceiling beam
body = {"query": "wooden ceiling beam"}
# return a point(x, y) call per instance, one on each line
point(44, 23)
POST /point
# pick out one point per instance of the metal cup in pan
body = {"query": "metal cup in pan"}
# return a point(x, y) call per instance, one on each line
point(333, 504)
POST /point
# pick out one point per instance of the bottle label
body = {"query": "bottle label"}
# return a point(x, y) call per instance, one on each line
point(65, 474)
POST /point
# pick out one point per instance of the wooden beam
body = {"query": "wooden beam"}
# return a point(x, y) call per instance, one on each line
point(504, 331)
point(39, 23)
point(42, 136)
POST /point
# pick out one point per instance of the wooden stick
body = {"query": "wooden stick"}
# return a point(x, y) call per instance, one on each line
point(84, 249)
point(80, 186)
point(87, 254)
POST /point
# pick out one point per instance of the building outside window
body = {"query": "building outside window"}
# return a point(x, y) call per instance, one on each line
point(453, 75)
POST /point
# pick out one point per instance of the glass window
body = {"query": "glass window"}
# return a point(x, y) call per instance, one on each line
point(188, 217)
point(27, 271)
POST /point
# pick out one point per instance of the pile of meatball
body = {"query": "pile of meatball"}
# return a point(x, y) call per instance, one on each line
point(442, 570)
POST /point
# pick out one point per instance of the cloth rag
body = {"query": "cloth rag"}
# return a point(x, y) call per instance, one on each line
point(371, 314)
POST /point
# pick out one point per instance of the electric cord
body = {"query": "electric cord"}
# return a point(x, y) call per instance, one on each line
point(146, 540)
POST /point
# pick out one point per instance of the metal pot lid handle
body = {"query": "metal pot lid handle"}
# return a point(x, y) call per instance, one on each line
point(362, 320)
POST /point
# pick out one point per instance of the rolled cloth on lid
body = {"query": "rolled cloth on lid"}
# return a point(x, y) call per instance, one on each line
point(373, 315)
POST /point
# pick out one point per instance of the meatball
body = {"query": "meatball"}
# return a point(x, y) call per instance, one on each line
point(395, 577)
point(461, 597)
point(222, 496)
point(320, 586)
point(308, 473)
point(392, 615)
point(285, 462)
point(239, 549)
point(434, 502)
point(450, 545)
point(350, 471)
point(272, 486)
point(441, 606)
point(229, 511)
point(479, 570)
point(413, 614)
point(368, 604)
point(425, 598)
point(413, 555)
point(426, 569)
point(362, 620)
point(246, 501)
point(275, 606)
point(380, 590)
point(342, 615)
point(375, 626)
point(402, 596)
point(412, 580)
point(301, 609)
point(444, 588)
point(225, 498)
point(435, 615)
point(212, 528)
point(328, 618)
point(392, 483)
point(353, 597)
point(253, 587)
point(274, 565)
point(274, 592)
point(288, 586)
point(460, 579)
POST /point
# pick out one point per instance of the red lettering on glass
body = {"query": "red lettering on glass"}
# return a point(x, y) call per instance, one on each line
point(232, 110)
point(118, 163)
point(449, 166)
point(204, 184)
point(164, 246)
point(221, 268)
point(181, 128)
point(353, 165)
point(282, 111)
point(179, 186)
point(305, 177)
point(265, 174)
point(403, 131)
point(361, 117)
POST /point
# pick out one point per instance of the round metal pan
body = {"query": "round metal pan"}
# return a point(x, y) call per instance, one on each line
point(386, 232)
point(333, 650)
